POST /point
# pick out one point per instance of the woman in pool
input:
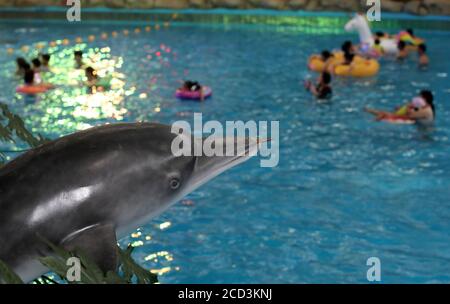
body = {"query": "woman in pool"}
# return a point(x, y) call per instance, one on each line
point(323, 89)
point(420, 111)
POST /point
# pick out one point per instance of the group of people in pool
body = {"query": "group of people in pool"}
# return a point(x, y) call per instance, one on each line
point(420, 109)
point(32, 73)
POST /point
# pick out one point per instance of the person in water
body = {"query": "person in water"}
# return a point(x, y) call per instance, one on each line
point(423, 57)
point(92, 77)
point(45, 60)
point(377, 47)
point(420, 110)
point(402, 50)
point(193, 86)
point(22, 66)
point(36, 65)
point(348, 47)
point(78, 57)
point(322, 90)
point(28, 78)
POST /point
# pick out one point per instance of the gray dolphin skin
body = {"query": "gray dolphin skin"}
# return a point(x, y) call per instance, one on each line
point(89, 188)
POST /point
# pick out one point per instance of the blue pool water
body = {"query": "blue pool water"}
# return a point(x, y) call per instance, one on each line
point(346, 188)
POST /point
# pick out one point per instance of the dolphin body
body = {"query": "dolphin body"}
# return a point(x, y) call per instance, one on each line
point(87, 189)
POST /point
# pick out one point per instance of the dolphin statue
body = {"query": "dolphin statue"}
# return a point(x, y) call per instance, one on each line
point(89, 188)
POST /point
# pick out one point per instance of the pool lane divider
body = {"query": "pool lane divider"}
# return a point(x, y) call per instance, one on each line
point(91, 38)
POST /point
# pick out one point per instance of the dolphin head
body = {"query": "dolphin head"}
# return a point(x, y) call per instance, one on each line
point(152, 177)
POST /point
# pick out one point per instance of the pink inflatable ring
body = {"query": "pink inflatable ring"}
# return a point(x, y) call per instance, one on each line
point(193, 95)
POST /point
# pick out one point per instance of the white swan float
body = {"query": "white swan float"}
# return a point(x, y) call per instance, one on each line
point(359, 23)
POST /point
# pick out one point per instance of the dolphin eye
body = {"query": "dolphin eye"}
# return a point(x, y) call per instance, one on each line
point(174, 183)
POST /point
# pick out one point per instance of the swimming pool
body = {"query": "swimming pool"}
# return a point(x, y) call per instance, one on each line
point(346, 188)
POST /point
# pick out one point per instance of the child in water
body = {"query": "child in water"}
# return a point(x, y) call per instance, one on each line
point(323, 89)
point(423, 58)
point(420, 110)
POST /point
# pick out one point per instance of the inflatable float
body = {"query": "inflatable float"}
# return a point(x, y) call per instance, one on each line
point(396, 119)
point(193, 95)
point(33, 89)
point(317, 64)
point(359, 23)
point(360, 67)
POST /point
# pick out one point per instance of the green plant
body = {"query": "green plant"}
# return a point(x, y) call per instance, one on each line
point(12, 127)
point(128, 271)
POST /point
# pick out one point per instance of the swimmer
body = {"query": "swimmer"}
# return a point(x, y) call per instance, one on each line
point(22, 66)
point(402, 50)
point(36, 65)
point(36, 69)
point(78, 56)
point(378, 48)
point(193, 86)
point(326, 57)
point(45, 59)
point(28, 78)
point(348, 47)
point(92, 77)
point(420, 110)
point(423, 57)
point(323, 89)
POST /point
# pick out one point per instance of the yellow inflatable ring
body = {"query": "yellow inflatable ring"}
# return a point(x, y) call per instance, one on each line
point(316, 64)
point(359, 68)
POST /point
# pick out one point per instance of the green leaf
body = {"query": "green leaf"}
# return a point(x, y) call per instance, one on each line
point(8, 276)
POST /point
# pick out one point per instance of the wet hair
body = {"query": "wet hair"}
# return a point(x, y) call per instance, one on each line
point(78, 53)
point(401, 45)
point(326, 77)
point(45, 57)
point(28, 78)
point(377, 41)
point(21, 62)
point(346, 46)
point(422, 47)
point(379, 34)
point(36, 62)
point(410, 31)
point(429, 98)
point(326, 54)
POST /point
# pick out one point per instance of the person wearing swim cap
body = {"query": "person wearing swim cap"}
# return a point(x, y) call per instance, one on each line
point(420, 110)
